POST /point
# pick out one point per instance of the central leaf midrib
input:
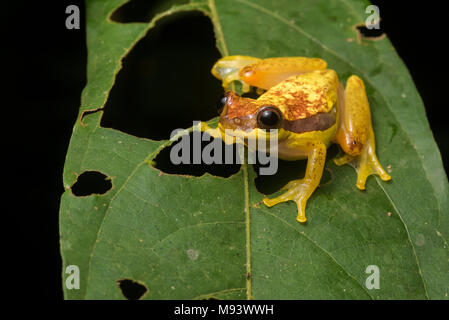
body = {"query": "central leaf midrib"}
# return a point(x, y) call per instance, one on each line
point(220, 37)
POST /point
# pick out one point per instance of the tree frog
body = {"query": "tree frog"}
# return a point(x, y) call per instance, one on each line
point(310, 108)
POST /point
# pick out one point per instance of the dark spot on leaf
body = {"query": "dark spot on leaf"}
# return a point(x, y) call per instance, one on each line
point(166, 82)
point(132, 290)
point(377, 70)
point(142, 10)
point(91, 182)
point(164, 163)
point(394, 130)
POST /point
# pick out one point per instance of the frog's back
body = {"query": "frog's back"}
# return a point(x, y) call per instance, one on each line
point(304, 95)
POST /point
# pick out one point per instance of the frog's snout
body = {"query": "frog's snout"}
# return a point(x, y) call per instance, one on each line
point(237, 113)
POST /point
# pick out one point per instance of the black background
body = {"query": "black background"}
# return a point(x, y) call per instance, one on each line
point(45, 64)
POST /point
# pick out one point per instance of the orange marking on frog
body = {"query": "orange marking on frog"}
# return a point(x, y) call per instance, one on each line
point(300, 99)
point(240, 107)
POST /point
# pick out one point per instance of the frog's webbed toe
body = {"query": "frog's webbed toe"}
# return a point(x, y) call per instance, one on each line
point(297, 191)
point(231, 77)
point(365, 164)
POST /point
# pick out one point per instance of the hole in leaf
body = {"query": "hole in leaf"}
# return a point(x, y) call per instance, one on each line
point(165, 164)
point(288, 171)
point(166, 82)
point(91, 182)
point(370, 34)
point(87, 113)
point(142, 10)
point(132, 290)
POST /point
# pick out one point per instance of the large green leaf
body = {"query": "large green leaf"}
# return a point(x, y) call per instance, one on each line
point(198, 237)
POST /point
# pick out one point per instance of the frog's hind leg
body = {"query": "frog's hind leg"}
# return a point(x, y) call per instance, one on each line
point(269, 72)
point(355, 134)
point(262, 74)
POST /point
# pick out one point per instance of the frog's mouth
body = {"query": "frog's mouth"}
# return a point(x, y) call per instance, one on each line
point(238, 113)
point(232, 131)
point(247, 136)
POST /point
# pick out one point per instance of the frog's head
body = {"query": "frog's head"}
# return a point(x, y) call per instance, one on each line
point(300, 105)
point(248, 118)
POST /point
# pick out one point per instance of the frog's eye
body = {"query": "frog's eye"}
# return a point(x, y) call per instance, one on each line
point(269, 117)
point(221, 103)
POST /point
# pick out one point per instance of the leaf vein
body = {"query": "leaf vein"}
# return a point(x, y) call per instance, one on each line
point(332, 258)
point(408, 235)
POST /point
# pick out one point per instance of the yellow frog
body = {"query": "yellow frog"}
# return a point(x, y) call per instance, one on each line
point(310, 108)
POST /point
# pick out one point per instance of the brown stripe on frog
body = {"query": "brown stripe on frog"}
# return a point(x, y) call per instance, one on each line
point(317, 122)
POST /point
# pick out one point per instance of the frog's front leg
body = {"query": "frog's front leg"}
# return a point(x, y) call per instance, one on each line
point(300, 190)
point(355, 134)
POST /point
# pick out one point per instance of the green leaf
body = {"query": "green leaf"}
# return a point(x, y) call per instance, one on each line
point(186, 237)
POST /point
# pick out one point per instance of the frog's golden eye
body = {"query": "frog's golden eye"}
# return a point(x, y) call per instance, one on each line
point(269, 117)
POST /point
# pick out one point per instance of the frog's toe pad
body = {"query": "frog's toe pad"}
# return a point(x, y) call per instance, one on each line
point(366, 166)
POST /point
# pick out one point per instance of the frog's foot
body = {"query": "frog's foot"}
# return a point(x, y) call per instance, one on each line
point(299, 192)
point(365, 164)
point(227, 70)
point(231, 77)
